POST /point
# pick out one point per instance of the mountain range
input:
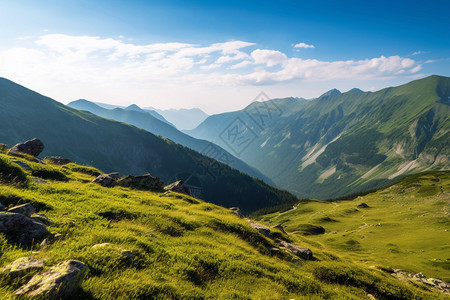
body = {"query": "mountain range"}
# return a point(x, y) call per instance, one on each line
point(340, 143)
point(114, 146)
point(138, 117)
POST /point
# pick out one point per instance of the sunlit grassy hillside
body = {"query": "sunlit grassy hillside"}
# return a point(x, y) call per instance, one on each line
point(181, 247)
point(404, 226)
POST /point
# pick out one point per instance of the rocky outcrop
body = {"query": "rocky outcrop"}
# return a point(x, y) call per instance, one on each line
point(237, 211)
point(301, 252)
point(32, 147)
point(363, 205)
point(21, 266)
point(105, 180)
point(58, 160)
point(419, 277)
point(178, 187)
point(261, 228)
point(21, 228)
point(60, 281)
point(24, 209)
point(142, 182)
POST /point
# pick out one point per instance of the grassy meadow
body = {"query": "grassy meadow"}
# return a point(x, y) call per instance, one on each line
point(172, 246)
point(404, 226)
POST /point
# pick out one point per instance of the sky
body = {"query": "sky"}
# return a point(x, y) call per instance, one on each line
point(218, 55)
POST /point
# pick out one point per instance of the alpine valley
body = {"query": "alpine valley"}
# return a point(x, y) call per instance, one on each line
point(342, 143)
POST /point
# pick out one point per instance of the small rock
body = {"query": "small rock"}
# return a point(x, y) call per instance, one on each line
point(102, 245)
point(60, 281)
point(363, 205)
point(38, 180)
point(301, 252)
point(237, 211)
point(127, 254)
point(2, 207)
point(21, 267)
point(22, 164)
point(178, 187)
point(58, 160)
point(280, 228)
point(105, 180)
point(262, 229)
point(32, 147)
point(24, 209)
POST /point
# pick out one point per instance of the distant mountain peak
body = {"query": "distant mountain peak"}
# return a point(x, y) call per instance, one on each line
point(331, 92)
point(355, 90)
point(134, 107)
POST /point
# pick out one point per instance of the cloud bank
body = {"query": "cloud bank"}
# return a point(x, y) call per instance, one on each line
point(98, 63)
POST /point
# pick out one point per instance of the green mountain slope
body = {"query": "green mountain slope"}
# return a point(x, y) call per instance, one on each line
point(145, 245)
point(403, 226)
point(134, 115)
point(342, 143)
point(113, 146)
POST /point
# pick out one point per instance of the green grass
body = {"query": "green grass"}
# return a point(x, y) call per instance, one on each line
point(405, 225)
point(182, 248)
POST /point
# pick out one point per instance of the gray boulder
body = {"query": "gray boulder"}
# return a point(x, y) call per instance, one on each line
point(32, 147)
point(142, 182)
point(301, 252)
point(22, 229)
point(178, 187)
point(60, 281)
point(21, 266)
point(24, 209)
point(262, 229)
point(105, 180)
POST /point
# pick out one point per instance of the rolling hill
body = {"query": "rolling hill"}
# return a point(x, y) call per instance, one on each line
point(341, 143)
point(113, 146)
point(403, 226)
point(146, 245)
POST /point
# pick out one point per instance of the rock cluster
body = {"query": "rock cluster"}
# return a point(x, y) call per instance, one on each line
point(142, 182)
point(431, 282)
point(146, 182)
point(301, 252)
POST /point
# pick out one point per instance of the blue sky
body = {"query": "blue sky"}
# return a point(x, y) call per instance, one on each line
point(218, 55)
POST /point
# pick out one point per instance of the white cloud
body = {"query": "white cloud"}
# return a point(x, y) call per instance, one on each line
point(419, 52)
point(75, 65)
point(242, 64)
point(268, 57)
point(303, 45)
